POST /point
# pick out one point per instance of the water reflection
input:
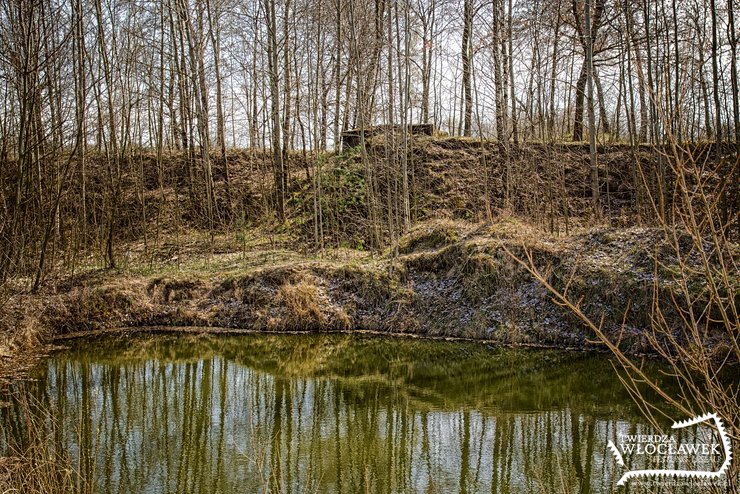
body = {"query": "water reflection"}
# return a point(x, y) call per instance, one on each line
point(331, 413)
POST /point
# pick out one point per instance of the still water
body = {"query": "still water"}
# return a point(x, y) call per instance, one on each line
point(329, 413)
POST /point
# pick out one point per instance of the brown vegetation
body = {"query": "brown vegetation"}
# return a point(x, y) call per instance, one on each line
point(449, 279)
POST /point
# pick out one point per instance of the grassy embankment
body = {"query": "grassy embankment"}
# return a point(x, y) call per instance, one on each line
point(450, 277)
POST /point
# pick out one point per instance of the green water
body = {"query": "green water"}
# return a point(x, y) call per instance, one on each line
point(329, 413)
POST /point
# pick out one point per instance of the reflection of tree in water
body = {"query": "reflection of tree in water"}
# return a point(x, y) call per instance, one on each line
point(253, 414)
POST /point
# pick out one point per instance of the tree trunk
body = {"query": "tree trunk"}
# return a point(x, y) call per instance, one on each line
point(466, 61)
point(277, 155)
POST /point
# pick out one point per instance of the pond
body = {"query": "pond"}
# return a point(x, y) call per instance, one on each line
point(160, 413)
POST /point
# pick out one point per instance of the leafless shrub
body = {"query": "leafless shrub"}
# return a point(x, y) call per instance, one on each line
point(695, 329)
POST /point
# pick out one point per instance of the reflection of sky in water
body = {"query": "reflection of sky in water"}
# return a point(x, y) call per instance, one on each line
point(234, 422)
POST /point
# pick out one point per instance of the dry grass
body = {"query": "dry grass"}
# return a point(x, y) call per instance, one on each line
point(301, 305)
point(22, 336)
point(34, 465)
point(432, 235)
point(305, 305)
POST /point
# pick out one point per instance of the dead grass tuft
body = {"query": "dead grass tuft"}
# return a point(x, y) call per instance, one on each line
point(302, 305)
point(432, 235)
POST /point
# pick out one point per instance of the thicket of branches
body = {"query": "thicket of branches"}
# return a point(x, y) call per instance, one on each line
point(87, 85)
point(696, 329)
